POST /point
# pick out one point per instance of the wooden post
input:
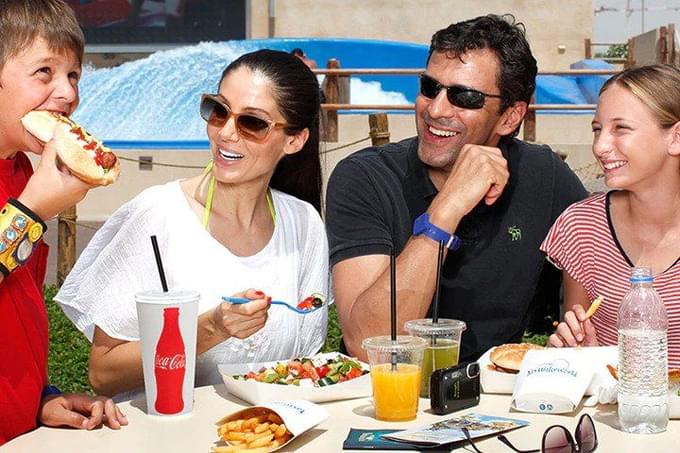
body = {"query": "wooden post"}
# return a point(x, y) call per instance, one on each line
point(671, 45)
point(630, 57)
point(66, 243)
point(379, 129)
point(332, 91)
point(530, 123)
point(588, 48)
point(661, 46)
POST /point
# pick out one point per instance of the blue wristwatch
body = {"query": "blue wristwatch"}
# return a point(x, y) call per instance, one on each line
point(50, 390)
point(422, 225)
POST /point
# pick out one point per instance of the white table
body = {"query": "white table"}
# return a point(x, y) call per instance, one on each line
point(196, 432)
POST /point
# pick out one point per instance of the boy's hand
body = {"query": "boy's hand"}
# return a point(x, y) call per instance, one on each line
point(52, 189)
point(80, 411)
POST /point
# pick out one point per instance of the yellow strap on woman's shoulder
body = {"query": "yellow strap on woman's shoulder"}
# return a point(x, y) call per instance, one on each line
point(211, 194)
point(270, 205)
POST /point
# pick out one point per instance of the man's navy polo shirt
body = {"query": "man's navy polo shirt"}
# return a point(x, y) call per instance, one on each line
point(374, 195)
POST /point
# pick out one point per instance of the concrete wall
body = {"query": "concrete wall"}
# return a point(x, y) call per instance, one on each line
point(556, 29)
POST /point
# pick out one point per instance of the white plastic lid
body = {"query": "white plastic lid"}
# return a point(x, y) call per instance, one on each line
point(174, 297)
point(404, 343)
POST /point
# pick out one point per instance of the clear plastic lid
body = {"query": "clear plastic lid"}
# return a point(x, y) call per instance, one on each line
point(171, 297)
point(404, 343)
point(443, 328)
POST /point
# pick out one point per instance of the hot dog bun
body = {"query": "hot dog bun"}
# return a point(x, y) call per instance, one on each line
point(508, 357)
point(85, 156)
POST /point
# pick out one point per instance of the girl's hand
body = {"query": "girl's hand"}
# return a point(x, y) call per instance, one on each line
point(575, 330)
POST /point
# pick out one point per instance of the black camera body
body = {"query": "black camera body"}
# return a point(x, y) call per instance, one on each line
point(454, 388)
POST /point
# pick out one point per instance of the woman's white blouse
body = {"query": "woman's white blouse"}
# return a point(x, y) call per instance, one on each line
point(119, 262)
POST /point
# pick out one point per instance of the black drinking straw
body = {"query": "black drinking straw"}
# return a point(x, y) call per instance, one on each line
point(435, 302)
point(393, 305)
point(159, 263)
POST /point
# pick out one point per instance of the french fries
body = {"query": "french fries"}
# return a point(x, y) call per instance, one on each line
point(257, 434)
point(594, 306)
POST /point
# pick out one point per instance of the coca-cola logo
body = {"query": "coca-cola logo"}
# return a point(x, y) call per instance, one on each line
point(174, 362)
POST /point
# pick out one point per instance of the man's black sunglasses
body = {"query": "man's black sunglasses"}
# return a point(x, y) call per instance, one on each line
point(460, 96)
point(558, 439)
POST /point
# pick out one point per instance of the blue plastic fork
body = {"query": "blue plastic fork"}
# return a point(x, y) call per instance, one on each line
point(243, 300)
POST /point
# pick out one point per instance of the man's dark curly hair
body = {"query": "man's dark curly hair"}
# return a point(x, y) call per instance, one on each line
point(505, 38)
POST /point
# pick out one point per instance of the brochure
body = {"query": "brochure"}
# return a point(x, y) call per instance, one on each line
point(448, 431)
point(371, 439)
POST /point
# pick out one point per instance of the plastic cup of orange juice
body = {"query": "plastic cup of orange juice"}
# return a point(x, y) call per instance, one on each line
point(395, 375)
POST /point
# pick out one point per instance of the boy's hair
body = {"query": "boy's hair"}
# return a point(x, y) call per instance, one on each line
point(22, 21)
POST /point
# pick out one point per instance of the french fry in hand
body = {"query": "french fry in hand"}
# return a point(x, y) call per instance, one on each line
point(257, 434)
point(594, 306)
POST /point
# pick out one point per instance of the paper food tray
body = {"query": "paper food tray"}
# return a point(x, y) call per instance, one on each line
point(299, 416)
point(496, 382)
point(260, 392)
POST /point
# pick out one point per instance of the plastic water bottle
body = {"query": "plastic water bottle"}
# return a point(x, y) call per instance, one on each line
point(643, 357)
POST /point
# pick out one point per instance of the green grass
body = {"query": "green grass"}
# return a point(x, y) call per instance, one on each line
point(536, 338)
point(333, 336)
point(69, 349)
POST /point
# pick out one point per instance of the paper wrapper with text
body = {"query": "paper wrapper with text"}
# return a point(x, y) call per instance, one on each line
point(552, 381)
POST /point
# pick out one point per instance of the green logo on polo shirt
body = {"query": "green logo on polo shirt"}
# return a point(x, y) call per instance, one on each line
point(515, 233)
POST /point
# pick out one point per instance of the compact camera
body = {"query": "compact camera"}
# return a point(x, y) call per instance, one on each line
point(454, 388)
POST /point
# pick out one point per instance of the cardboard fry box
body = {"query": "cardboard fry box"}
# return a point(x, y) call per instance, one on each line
point(299, 416)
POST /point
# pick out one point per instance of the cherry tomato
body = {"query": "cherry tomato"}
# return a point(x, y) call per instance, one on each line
point(322, 371)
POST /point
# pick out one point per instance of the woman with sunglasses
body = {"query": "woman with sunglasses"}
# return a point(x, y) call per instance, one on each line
point(596, 242)
point(251, 220)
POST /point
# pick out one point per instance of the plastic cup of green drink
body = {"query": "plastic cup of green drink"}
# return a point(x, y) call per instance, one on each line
point(443, 346)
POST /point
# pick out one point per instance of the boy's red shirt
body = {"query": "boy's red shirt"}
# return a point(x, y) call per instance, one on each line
point(23, 323)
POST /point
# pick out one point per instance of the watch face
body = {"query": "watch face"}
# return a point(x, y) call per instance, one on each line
point(24, 250)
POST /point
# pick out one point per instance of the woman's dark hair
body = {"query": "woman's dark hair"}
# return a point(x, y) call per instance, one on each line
point(506, 39)
point(296, 92)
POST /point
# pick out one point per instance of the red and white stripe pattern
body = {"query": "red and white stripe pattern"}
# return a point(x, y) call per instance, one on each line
point(582, 243)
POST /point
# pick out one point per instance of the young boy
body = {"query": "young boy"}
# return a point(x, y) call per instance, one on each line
point(41, 50)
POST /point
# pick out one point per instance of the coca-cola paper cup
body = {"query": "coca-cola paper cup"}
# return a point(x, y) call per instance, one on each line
point(167, 332)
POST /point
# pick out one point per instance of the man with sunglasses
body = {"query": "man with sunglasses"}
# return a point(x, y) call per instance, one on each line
point(463, 181)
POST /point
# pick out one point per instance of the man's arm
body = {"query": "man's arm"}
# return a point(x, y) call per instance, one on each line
point(362, 291)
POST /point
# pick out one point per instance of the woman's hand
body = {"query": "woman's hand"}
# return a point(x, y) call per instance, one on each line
point(80, 411)
point(242, 320)
point(575, 330)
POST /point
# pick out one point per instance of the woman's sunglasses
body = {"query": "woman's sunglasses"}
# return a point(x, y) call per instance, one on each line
point(460, 96)
point(558, 439)
point(248, 126)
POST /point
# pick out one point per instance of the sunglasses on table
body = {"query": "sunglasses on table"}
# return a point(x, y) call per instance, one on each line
point(557, 439)
point(460, 96)
point(216, 112)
